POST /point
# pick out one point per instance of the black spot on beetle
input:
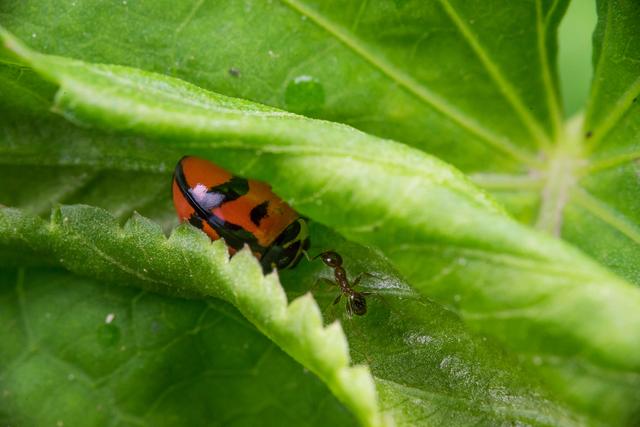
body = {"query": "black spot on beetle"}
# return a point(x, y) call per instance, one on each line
point(234, 235)
point(234, 72)
point(259, 212)
point(233, 189)
point(588, 135)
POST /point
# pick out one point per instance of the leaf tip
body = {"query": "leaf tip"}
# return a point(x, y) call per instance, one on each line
point(139, 224)
point(339, 351)
point(275, 292)
point(304, 312)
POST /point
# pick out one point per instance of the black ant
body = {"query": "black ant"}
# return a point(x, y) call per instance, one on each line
point(356, 301)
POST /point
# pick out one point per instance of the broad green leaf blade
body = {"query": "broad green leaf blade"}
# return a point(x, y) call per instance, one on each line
point(417, 325)
point(198, 267)
point(472, 84)
point(607, 203)
point(445, 235)
point(574, 54)
point(589, 191)
point(428, 368)
point(437, 392)
point(616, 81)
point(80, 352)
point(418, 71)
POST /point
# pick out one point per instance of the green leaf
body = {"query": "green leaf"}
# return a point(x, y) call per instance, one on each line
point(472, 83)
point(606, 202)
point(427, 367)
point(428, 65)
point(198, 267)
point(574, 53)
point(504, 279)
point(75, 351)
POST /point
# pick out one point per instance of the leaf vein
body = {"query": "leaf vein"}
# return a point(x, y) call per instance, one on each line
point(611, 162)
point(608, 214)
point(189, 16)
point(621, 106)
point(412, 86)
point(496, 74)
point(552, 97)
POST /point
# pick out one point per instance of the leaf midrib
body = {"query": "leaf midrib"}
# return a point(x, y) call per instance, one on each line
point(561, 178)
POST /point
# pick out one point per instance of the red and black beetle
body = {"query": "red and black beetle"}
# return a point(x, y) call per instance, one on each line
point(241, 211)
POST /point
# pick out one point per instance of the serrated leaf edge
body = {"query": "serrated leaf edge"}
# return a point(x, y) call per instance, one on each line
point(297, 327)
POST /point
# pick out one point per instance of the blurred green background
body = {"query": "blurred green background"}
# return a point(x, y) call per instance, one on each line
point(574, 61)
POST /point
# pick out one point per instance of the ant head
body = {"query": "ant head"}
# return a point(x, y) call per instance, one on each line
point(357, 304)
point(332, 259)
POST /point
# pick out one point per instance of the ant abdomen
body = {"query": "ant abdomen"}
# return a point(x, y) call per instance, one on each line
point(356, 301)
point(358, 304)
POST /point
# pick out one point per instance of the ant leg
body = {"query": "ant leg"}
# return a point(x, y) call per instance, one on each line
point(349, 309)
point(320, 254)
point(360, 276)
point(337, 300)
